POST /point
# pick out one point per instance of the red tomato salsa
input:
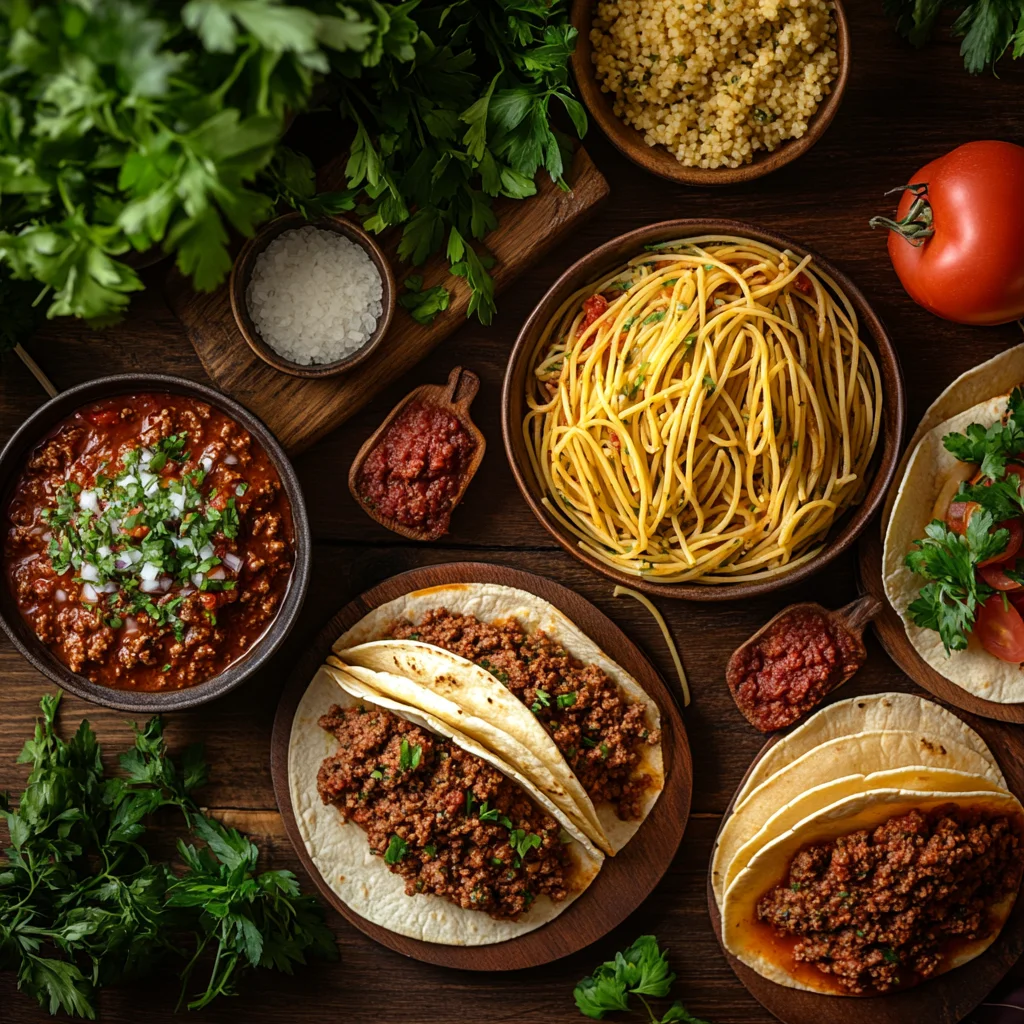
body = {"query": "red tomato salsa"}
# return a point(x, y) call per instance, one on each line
point(414, 473)
point(149, 542)
point(790, 668)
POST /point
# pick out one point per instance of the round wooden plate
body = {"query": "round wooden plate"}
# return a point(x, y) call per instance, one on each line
point(623, 882)
point(943, 1000)
point(889, 628)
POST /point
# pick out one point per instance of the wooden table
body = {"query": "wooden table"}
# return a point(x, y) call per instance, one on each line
point(902, 108)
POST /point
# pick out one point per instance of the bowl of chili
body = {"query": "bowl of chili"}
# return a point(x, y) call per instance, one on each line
point(156, 544)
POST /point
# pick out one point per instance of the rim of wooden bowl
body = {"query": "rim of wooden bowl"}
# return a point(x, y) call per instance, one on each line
point(657, 159)
point(12, 460)
point(613, 254)
point(241, 272)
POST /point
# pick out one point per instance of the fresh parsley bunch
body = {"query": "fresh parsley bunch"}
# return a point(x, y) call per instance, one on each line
point(83, 904)
point(641, 970)
point(989, 28)
point(948, 603)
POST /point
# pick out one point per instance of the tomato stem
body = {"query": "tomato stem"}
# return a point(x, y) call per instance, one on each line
point(918, 224)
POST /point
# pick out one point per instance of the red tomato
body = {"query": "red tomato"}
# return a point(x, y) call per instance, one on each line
point(994, 576)
point(592, 309)
point(957, 243)
point(958, 513)
point(1000, 629)
point(1012, 545)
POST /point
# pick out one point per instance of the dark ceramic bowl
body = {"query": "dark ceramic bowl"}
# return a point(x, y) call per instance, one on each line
point(618, 251)
point(12, 461)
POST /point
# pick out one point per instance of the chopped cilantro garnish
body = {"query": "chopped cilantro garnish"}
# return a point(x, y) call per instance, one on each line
point(522, 842)
point(409, 756)
point(542, 699)
point(397, 849)
point(566, 700)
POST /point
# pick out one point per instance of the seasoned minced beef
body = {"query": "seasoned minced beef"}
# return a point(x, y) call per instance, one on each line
point(598, 732)
point(443, 819)
point(878, 910)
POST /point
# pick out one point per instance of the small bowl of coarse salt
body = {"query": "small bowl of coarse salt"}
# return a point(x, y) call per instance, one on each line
point(312, 298)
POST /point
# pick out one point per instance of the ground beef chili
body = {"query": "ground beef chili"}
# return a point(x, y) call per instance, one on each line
point(879, 910)
point(443, 819)
point(148, 541)
point(598, 732)
point(788, 670)
point(414, 473)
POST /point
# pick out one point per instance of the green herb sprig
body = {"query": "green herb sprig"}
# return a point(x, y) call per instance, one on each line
point(84, 905)
point(641, 970)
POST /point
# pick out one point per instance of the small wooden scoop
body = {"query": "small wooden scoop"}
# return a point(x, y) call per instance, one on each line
point(456, 397)
point(851, 619)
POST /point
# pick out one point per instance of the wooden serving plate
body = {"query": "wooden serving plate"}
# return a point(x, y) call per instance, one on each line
point(299, 411)
point(456, 396)
point(624, 881)
point(889, 627)
point(657, 159)
point(943, 1000)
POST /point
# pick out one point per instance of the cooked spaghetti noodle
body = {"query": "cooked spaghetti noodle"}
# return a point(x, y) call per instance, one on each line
point(704, 413)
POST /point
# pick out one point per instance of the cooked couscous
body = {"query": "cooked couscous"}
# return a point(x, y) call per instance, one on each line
point(715, 81)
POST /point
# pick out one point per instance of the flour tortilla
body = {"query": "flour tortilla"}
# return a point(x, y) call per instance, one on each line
point(746, 830)
point(341, 854)
point(478, 693)
point(875, 712)
point(867, 810)
point(929, 471)
point(998, 375)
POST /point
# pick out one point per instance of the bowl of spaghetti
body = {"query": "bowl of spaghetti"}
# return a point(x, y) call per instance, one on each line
point(704, 410)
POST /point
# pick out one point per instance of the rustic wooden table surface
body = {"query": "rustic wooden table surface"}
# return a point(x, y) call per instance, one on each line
point(902, 108)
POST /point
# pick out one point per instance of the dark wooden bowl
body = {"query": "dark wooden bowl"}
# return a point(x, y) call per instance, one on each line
point(947, 999)
point(624, 881)
point(456, 396)
point(613, 254)
point(241, 271)
point(12, 461)
point(657, 159)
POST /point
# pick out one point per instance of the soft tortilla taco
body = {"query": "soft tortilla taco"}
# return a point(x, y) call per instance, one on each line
point(878, 891)
point(953, 567)
point(517, 664)
point(422, 830)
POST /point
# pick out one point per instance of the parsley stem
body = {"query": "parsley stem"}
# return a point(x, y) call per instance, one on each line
point(650, 1012)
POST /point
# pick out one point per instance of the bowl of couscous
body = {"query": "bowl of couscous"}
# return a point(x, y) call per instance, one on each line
point(711, 92)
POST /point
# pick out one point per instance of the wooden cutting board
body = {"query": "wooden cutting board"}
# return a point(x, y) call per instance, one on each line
point(300, 412)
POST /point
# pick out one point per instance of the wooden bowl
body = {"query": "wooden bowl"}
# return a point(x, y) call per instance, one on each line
point(657, 159)
point(456, 396)
point(241, 272)
point(615, 253)
point(12, 460)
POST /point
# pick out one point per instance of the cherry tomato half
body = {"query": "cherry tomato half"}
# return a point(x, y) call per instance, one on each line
point(957, 243)
point(996, 578)
point(1000, 629)
point(1012, 545)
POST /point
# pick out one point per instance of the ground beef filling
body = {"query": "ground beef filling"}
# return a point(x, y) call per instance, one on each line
point(443, 819)
point(599, 733)
point(880, 910)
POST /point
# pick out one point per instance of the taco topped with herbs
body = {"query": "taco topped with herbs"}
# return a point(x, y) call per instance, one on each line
point(953, 562)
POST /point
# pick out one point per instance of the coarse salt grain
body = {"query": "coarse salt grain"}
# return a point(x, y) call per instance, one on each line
point(314, 296)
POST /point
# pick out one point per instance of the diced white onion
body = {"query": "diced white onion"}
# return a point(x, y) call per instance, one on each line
point(230, 460)
point(206, 551)
point(197, 579)
point(217, 573)
point(150, 586)
point(89, 595)
point(207, 463)
point(89, 572)
point(107, 588)
point(165, 583)
point(145, 477)
point(232, 561)
point(177, 499)
point(103, 551)
point(182, 543)
point(61, 596)
point(88, 500)
point(134, 555)
point(131, 626)
point(149, 571)
point(145, 457)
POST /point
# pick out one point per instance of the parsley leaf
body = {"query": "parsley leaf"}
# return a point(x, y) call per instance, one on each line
point(397, 849)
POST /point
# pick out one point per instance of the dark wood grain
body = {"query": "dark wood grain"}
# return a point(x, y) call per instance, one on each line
point(657, 159)
point(526, 231)
point(624, 881)
point(902, 108)
point(456, 397)
point(618, 251)
point(893, 636)
point(943, 1000)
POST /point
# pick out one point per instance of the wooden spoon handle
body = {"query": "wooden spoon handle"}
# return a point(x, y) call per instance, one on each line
point(857, 614)
point(462, 387)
